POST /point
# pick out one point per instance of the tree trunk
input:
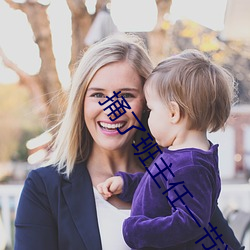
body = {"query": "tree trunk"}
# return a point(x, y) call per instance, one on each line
point(46, 80)
point(81, 22)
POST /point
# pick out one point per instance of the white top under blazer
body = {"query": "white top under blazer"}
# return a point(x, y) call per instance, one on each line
point(110, 220)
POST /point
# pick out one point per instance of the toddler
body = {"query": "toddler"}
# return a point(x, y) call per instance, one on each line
point(188, 96)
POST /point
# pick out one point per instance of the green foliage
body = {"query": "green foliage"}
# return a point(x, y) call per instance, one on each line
point(233, 55)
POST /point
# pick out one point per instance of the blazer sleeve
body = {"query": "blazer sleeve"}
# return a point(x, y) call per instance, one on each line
point(223, 227)
point(35, 225)
point(131, 181)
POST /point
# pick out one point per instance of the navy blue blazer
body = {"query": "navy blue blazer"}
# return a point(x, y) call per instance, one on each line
point(57, 213)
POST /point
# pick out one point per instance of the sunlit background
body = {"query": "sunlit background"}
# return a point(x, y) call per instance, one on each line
point(17, 37)
point(18, 44)
point(217, 27)
point(128, 15)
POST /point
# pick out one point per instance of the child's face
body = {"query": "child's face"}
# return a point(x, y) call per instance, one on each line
point(159, 120)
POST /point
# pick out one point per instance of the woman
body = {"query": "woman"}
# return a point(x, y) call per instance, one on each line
point(59, 207)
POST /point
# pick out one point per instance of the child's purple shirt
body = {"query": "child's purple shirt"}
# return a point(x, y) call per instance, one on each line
point(154, 222)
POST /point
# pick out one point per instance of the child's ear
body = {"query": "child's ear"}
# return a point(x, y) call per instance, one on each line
point(175, 112)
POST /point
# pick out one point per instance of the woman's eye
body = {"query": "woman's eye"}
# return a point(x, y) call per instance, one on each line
point(98, 95)
point(127, 95)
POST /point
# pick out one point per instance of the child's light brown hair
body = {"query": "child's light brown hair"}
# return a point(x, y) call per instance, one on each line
point(203, 90)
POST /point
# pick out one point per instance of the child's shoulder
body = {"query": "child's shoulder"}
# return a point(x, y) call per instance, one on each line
point(190, 158)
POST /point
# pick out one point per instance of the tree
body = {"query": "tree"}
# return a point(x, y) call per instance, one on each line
point(165, 40)
point(45, 85)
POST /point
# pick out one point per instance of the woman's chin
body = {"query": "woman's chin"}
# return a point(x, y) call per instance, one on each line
point(113, 145)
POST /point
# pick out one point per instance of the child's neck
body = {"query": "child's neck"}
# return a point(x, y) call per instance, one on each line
point(191, 139)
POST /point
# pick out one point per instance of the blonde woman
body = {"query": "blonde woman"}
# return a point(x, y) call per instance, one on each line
point(60, 207)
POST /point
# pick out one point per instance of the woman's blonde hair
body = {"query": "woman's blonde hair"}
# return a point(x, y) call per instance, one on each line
point(203, 90)
point(73, 142)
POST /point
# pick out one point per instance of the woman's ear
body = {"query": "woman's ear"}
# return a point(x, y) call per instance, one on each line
point(174, 112)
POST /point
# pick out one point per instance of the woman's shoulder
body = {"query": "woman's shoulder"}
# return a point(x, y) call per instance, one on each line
point(50, 175)
point(44, 178)
point(45, 172)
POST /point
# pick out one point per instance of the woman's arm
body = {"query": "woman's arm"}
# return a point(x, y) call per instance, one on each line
point(223, 227)
point(35, 225)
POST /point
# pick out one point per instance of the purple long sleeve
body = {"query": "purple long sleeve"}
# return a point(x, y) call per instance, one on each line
point(131, 181)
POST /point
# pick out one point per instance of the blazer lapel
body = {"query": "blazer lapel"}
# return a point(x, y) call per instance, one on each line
point(79, 195)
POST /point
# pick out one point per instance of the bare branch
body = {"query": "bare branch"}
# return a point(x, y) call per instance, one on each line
point(31, 82)
point(81, 22)
point(9, 64)
point(13, 5)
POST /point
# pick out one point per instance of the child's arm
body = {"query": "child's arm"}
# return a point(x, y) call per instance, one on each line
point(123, 184)
point(131, 181)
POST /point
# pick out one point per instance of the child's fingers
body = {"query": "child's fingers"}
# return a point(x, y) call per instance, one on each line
point(116, 185)
point(103, 190)
point(99, 188)
point(106, 197)
point(113, 187)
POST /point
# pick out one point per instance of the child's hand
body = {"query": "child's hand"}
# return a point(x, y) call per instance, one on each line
point(111, 186)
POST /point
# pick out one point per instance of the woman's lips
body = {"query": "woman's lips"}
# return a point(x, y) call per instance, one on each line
point(111, 127)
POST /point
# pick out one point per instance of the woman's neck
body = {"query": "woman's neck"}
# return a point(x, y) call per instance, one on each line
point(103, 164)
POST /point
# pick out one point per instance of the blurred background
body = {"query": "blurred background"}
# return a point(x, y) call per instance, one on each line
point(42, 40)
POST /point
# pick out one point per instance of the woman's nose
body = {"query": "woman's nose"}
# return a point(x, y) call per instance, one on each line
point(113, 112)
point(109, 112)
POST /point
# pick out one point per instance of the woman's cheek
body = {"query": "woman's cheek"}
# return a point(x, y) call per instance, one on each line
point(137, 107)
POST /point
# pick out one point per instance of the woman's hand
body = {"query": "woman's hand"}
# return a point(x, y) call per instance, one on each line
point(111, 186)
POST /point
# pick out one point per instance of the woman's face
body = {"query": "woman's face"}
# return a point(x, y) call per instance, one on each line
point(117, 76)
